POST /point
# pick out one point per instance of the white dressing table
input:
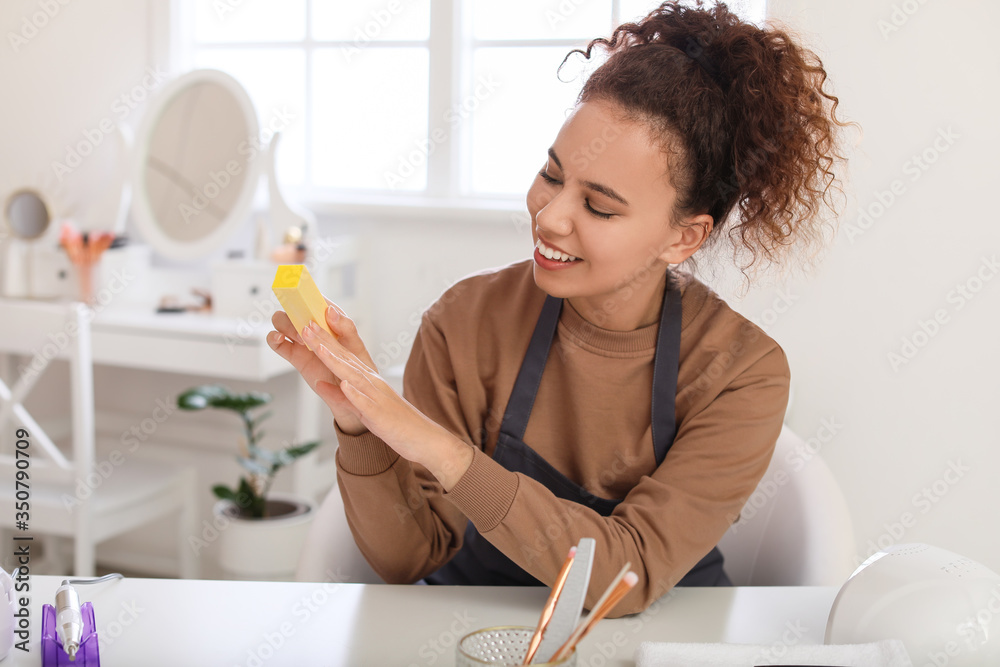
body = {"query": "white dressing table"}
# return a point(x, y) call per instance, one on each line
point(216, 347)
point(135, 336)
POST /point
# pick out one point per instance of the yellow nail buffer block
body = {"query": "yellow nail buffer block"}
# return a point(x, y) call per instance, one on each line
point(299, 296)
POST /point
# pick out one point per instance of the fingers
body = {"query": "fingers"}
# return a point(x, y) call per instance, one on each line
point(284, 325)
point(280, 344)
point(333, 396)
point(315, 335)
point(347, 331)
point(355, 385)
point(360, 401)
point(344, 368)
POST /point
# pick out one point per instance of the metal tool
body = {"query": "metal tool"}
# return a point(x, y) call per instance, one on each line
point(567, 612)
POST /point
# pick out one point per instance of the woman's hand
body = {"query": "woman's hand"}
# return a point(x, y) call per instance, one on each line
point(388, 415)
point(287, 343)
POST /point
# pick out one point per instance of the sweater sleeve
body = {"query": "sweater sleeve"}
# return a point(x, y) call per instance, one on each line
point(669, 520)
point(396, 509)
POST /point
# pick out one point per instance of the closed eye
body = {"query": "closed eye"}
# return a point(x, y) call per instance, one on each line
point(547, 178)
point(586, 202)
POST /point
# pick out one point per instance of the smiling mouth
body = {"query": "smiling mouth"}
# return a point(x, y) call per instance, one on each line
point(554, 255)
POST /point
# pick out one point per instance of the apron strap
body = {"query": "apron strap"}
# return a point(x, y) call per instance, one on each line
point(522, 397)
point(663, 419)
point(665, 367)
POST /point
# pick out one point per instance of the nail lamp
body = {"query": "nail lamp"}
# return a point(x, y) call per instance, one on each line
point(945, 608)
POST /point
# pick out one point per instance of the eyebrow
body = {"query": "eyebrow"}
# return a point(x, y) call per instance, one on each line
point(596, 187)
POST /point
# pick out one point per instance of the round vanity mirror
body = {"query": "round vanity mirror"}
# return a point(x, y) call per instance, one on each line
point(27, 214)
point(195, 169)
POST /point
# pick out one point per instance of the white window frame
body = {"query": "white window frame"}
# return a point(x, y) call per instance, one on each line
point(449, 83)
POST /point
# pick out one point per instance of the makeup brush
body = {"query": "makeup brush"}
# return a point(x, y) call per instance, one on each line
point(97, 243)
point(619, 587)
point(72, 241)
point(550, 606)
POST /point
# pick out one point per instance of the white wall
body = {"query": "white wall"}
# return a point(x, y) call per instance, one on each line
point(60, 81)
point(69, 76)
point(900, 429)
point(897, 431)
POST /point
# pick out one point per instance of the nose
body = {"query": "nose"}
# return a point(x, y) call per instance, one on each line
point(554, 218)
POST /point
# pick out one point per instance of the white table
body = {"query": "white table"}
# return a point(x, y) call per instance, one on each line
point(153, 622)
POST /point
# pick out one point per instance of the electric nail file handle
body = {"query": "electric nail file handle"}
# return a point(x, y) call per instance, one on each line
point(69, 620)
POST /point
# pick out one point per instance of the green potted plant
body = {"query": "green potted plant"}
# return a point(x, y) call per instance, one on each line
point(260, 533)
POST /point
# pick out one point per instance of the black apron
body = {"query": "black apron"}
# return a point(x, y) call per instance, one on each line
point(478, 562)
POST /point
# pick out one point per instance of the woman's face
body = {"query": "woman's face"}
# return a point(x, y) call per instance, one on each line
point(604, 197)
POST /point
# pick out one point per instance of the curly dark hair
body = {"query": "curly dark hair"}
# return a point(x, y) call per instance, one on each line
point(742, 115)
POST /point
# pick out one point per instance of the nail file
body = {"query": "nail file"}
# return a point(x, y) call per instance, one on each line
point(300, 297)
point(566, 615)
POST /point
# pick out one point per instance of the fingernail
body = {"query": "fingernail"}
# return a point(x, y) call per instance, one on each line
point(307, 331)
point(332, 314)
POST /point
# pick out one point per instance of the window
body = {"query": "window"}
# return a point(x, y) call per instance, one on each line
point(432, 101)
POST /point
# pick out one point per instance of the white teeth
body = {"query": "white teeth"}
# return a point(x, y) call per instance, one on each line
point(553, 254)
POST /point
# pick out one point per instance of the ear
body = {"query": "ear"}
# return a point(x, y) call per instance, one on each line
point(687, 239)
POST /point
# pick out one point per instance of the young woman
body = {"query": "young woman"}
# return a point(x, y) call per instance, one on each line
point(596, 390)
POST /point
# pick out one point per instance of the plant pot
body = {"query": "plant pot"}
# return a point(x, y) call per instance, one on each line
point(263, 549)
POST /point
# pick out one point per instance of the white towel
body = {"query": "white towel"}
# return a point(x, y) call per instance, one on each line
point(887, 653)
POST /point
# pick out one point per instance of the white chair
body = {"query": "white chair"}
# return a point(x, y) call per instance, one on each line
point(330, 553)
point(71, 493)
point(795, 530)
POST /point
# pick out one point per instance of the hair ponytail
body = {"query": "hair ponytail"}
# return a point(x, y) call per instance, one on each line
point(742, 115)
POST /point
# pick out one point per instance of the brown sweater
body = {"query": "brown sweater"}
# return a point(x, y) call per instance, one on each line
point(591, 420)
